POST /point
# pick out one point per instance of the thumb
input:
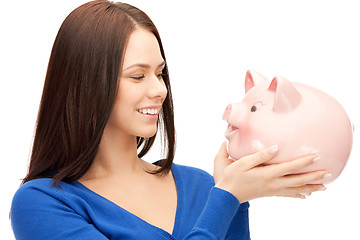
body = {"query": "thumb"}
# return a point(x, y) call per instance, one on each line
point(221, 161)
point(222, 153)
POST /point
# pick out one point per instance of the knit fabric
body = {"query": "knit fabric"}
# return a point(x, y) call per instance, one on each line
point(42, 211)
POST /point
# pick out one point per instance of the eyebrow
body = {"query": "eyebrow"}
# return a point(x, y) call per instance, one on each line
point(142, 65)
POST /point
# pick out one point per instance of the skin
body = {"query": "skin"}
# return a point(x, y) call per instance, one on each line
point(117, 173)
point(120, 176)
point(247, 178)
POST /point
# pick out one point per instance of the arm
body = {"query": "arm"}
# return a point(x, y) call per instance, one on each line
point(221, 209)
point(244, 180)
point(38, 215)
point(239, 228)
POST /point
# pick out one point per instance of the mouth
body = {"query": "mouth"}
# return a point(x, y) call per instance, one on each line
point(154, 110)
point(231, 131)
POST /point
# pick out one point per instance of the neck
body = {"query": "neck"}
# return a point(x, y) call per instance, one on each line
point(116, 156)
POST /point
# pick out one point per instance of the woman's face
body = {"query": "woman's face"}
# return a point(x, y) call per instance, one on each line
point(141, 88)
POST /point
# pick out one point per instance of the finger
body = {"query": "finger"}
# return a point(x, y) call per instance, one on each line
point(221, 160)
point(288, 192)
point(250, 161)
point(222, 157)
point(286, 168)
point(309, 188)
point(222, 153)
point(297, 180)
point(302, 191)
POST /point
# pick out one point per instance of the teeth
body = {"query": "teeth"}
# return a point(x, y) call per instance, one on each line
point(150, 111)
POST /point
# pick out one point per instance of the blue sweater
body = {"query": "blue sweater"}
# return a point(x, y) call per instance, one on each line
point(40, 211)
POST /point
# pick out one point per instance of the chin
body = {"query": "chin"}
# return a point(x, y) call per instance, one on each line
point(234, 151)
point(147, 134)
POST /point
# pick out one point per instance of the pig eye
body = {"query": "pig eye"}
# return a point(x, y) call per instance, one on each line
point(256, 106)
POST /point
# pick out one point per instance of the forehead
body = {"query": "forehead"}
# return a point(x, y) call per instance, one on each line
point(142, 47)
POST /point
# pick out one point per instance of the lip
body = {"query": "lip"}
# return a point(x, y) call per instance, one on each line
point(231, 131)
point(151, 107)
point(152, 117)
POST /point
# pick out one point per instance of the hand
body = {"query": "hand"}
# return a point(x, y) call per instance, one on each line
point(247, 178)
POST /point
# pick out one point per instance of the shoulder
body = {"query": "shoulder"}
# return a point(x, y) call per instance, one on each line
point(193, 176)
point(40, 210)
point(34, 204)
point(40, 195)
point(192, 171)
point(35, 191)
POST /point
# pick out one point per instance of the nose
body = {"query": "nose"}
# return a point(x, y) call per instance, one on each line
point(227, 112)
point(157, 88)
point(235, 114)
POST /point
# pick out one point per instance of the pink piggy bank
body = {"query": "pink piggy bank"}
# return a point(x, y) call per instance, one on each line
point(300, 119)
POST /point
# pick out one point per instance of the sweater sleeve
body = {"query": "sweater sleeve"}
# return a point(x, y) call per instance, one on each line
point(39, 215)
point(239, 227)
point(223, 217)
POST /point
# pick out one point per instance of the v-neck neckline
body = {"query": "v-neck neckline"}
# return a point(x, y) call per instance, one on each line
point(179, 199)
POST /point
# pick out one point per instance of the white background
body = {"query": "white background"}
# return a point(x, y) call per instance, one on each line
point(209, 46)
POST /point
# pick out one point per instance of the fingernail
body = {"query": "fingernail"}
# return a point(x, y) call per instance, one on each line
point(316, 159)
point(302, 196)
point(273, 149)
point(322, 188)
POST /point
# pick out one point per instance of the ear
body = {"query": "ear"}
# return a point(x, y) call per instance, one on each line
point(287, 97)
point(252, 78)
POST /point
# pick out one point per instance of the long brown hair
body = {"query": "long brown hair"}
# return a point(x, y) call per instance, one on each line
point(80, 90)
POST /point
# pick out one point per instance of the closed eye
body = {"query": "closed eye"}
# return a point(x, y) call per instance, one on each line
point(138, 77)
point(160, 75)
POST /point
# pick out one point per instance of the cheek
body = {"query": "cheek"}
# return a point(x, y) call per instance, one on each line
point(129, 96)
point(115, 117)
point(165, 96)
point(121, 110)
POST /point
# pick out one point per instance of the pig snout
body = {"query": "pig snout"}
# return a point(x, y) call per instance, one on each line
point(233, 127)
point(227, 113)
point(234, 114)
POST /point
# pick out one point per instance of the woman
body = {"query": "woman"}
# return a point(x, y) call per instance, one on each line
point(106, 93)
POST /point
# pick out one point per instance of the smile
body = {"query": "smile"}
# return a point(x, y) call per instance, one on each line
point(149, 111)
point(231, 131)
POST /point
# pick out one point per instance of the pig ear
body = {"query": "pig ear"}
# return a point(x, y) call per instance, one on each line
point(287, 97)
point(252, 78)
